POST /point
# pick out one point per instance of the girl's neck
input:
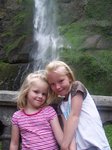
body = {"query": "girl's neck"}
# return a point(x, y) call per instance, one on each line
point(30, 111)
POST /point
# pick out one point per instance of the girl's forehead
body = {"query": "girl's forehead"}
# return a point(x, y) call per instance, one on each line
point(38, 80)
point(39, 83)
point(60, 70)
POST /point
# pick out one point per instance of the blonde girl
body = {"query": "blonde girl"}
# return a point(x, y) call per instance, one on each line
point(35, 121)
point(82, 123)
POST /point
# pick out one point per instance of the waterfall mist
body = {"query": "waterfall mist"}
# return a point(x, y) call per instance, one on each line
point(46, 37)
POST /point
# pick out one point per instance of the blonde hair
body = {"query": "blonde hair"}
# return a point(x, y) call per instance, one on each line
point(21, 98)
point(52, 66)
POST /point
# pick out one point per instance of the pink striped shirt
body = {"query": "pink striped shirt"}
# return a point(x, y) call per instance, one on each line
point(36, 131)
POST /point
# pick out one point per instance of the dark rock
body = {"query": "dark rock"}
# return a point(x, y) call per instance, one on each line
point(2, 126)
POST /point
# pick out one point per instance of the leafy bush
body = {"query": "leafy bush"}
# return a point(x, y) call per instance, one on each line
point(99, 9)
point(108, 131)
point(94, 70)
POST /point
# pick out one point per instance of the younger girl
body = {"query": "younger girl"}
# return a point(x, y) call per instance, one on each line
point(82, 122)
point(36, 122)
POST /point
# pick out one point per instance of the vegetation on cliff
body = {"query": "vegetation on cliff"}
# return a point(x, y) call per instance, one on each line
point(88, 48)
point(86, 27)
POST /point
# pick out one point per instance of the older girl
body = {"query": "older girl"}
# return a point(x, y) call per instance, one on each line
point(81, 119)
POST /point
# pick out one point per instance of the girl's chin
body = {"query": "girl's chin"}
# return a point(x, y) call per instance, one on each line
point(63, 94)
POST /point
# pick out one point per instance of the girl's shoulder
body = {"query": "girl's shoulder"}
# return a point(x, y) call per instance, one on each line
point(49, 112)
point(78, 83)
point(78, 86)
point(48, 109)
point(18, 113)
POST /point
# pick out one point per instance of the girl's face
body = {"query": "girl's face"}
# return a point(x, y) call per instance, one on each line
point(60, 83)
point(37, 94)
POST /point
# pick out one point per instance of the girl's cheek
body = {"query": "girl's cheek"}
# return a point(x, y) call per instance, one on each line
point(52, 86)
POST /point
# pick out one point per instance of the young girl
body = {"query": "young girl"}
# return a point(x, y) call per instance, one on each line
point(82, 121)
point(36, 122)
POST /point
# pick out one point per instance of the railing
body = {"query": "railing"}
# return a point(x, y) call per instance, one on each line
point(8, 107)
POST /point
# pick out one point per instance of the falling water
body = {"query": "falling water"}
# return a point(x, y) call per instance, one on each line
point(46, 36)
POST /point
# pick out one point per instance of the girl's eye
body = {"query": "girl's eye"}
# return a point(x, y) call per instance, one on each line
point(61, 81)
point(36, 92)
point(44, 94)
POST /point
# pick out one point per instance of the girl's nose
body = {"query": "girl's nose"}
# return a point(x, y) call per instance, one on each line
point(40, 95)
point(57, 86)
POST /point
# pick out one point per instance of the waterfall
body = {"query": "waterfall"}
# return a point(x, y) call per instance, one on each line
point(46, 37)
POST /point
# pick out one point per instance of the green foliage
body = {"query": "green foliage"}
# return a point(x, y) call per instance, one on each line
point(8, 75)
point(7, 69)
point(99, 9)
point(4, 67)
point(26, 2)
point(19, 19)
point(73, 33)
point(20, 26)
point(7, 34)
point(10, 46)
point(108, 131)
point(92, 66)
point(19, 1)
point(22, 17)
point(94, 70)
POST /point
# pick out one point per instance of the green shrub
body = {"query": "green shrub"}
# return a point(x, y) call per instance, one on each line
point(108, 131)
point(99, 9)
point(94, 70)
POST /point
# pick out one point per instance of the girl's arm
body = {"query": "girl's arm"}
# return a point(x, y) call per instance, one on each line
point(72, 121)
point(14, 144)
point(57, 130)
point(72, 145)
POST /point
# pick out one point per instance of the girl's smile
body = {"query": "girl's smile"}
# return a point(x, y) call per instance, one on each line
point(59, 82)
point(37, 94)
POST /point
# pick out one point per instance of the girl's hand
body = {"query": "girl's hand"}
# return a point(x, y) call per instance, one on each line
point(65, 149)
point(72, 145)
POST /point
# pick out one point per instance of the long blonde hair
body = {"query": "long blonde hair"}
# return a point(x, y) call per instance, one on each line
point(22, 94)
point(52, 66)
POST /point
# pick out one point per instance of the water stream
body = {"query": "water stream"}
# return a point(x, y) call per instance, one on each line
point(47, 41)
point(46, 36)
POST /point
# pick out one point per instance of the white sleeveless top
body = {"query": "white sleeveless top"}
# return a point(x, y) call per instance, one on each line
point(90, 131)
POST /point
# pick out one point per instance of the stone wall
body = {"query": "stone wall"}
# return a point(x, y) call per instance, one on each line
point(8, 107)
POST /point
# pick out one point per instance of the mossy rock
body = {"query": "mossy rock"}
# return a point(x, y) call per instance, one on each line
point(11, 75)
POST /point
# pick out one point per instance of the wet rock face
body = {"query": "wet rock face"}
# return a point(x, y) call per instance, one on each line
point(70, 10)
point(8, 9)
point(13, 62)
point(2, 127)
point(9, 4)
point(2, 3)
